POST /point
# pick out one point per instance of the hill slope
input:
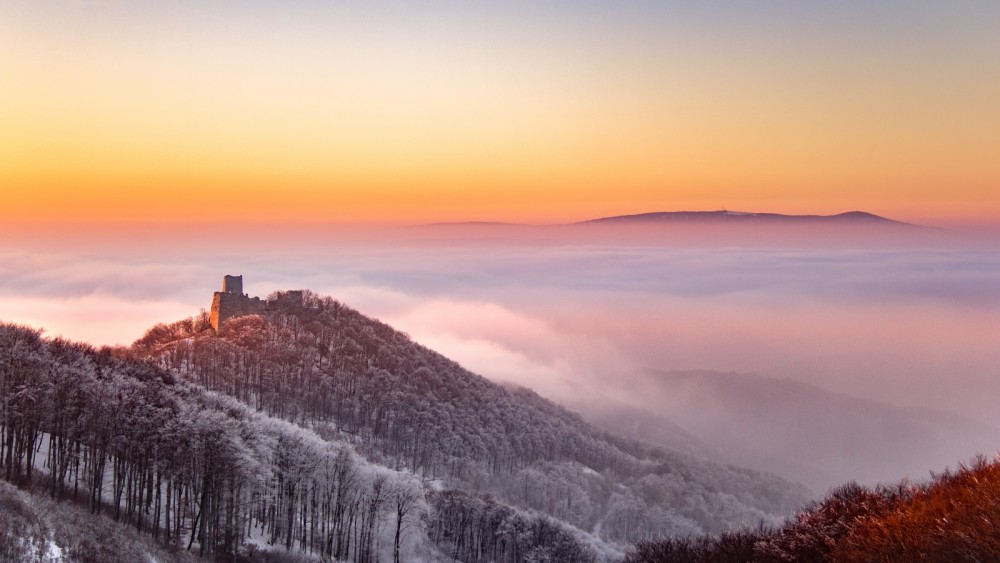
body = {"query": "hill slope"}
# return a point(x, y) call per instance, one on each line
point(343, 374)
point(36, 528)
point(201, 473)
point(953, 518)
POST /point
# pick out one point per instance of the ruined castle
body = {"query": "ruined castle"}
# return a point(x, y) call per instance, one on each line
point(232, 302)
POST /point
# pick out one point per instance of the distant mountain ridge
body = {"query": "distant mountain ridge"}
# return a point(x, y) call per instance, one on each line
point(721, 216)
point(742, 217)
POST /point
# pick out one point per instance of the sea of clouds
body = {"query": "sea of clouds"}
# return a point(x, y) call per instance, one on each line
point(906, 326)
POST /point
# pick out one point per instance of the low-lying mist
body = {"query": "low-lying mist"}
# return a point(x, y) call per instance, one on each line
point(615, 326)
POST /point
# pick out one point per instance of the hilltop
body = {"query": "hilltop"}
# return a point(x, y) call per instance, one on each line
point(329, 367)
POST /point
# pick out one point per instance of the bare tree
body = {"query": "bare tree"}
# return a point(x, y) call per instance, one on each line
point(405, 497)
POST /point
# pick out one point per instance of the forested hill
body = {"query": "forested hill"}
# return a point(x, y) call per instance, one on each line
point(954, 517)
point(330, 368)
point(100, 442)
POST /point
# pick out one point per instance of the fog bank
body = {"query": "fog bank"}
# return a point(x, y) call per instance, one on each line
point(908, 325)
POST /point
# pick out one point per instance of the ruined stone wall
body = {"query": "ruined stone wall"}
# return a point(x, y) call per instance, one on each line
point(228, 305)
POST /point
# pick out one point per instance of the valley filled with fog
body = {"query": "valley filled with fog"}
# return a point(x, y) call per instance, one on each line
point(822, 363)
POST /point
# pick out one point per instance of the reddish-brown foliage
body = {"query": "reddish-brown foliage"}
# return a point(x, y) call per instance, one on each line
point(955, 517)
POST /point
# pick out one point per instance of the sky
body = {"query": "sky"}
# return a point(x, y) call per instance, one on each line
point(148, 148)
point(119, 111)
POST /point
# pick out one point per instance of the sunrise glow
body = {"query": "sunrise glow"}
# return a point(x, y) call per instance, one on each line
point(309, 112)
point(623, 281)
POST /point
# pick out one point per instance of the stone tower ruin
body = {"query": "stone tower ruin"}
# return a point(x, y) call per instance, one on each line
point(232, 284)
point(232, 302)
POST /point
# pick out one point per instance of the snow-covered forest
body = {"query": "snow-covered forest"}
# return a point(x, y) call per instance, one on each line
point(330, 367)
point(318, 431)
point(193, 468)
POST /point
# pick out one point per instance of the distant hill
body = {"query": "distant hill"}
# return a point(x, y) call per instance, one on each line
point(704, 217)
point(646, 425)
point(802, 431)
point(697, 228)
point(742, 218)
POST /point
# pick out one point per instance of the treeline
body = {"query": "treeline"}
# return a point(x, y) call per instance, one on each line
point(478, 529)
point(408, 407)
point(954, 517)
point(195, 469)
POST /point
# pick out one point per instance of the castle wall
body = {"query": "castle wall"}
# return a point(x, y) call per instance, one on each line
point(228, 305)
point(232, 302)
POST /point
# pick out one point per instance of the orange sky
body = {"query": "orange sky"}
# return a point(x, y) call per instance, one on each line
point(118, 111)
